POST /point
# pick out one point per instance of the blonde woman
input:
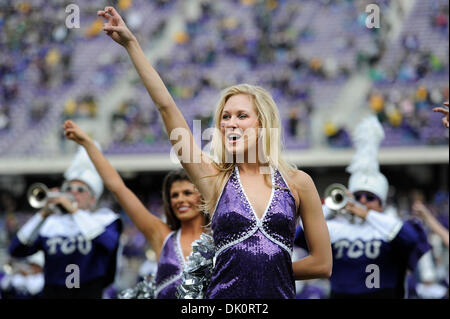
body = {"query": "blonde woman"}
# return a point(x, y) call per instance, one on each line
point(253, 197)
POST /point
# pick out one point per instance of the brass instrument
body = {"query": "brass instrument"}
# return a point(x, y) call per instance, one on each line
point(336, 197)
point(38, 195)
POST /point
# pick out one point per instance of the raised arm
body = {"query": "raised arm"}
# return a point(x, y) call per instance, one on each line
point(318, 263)
point(436, 227)
point(194, 161)
point(153, 228)
point(443, 110)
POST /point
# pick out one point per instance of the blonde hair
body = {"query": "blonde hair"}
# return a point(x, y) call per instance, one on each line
point(271, 138)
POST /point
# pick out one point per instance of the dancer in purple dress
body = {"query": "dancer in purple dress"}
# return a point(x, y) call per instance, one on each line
point(253, 232)
point(256, 250)
point(181, 200)
point(170, 267)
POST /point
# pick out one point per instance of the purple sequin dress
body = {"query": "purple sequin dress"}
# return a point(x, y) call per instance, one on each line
point(253, 256)
point(170, 267)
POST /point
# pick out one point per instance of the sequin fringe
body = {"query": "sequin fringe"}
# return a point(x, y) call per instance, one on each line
point(197, 273)
point(144, 289)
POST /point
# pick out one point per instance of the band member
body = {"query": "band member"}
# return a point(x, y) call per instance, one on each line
point(24, 278)
point(253, 196)
point(171, 241)
point(372, 249)
point(80, 242)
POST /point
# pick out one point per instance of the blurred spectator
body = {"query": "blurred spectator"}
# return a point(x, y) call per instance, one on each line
point(132, 124)
point(440, 20)
point(23, 278)
point(149, 267)
point(336, 136)
point(410, 42)
point(39, 108)
point(84, 107)
point(4, 118)
point(293, 122)
point(431, 279)
point(406, 116)
point(421, 211)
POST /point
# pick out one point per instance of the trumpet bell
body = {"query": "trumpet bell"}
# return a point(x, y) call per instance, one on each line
point(336, 197)
point(37, 195)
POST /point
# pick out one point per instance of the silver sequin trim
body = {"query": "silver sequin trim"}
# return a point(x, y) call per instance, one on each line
point(259, 223)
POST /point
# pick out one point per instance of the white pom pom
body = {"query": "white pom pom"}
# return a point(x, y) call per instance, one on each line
point(367, 138)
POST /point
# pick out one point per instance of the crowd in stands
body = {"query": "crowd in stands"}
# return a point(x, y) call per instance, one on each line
point(303, 52)
point(47, 66)
point(277, 44)
point(85, 107)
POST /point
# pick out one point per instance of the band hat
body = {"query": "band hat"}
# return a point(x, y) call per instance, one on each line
point(364, 168)
point(82, 169)
point(375, 183)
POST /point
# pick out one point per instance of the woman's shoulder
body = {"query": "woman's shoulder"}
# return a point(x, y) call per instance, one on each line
point(299, 180)
point(171, 236)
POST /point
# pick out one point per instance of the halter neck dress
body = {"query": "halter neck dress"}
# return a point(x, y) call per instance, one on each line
point(170, 267)
point(253, 255)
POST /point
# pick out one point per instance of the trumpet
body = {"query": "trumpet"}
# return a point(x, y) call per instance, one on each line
point(336, 197)
point(38, 195)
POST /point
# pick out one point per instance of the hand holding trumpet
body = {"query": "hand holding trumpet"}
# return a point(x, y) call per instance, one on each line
point(356, 209)
point(62, 202)
point(39, 196)
point(339, 199)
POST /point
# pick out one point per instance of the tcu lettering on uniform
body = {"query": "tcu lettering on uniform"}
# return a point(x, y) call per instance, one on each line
point(68, 245)
point(357, 248)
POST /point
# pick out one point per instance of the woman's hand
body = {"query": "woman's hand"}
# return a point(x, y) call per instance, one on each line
point(444, 111)
point(115, 27)
point(75, 133)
